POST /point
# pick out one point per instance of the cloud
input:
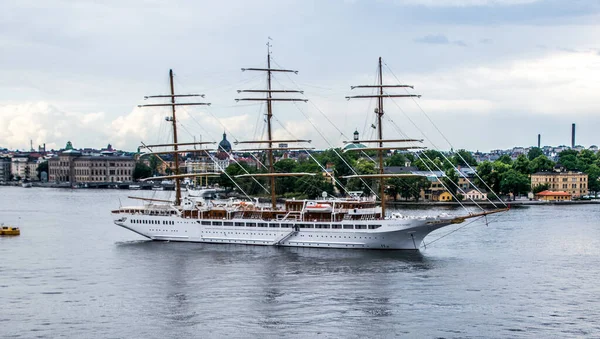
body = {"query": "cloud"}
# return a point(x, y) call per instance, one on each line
point(459, 43)
point(42, 123)
point(486, 41)
point(464, 3)
point(437, 39)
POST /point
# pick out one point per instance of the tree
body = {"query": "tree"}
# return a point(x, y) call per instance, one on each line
point(514, 182)
point(585, 158)
point(521, 165)
point(313, 186)
point(154, 164)
point(27, 172)
point(42, 167)
point(505, 159)
point(397, 159)
point(409, 187)
point(541, 164)
point(540, 188)
point(593, 172)
point(450, 181)
point(141, 171)
point(534, 152)
point(568, 158)
point(464, 158)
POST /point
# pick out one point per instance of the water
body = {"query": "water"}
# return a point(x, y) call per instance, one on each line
point(72, 273)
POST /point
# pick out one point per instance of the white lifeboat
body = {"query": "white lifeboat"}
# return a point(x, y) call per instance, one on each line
point(317, 207)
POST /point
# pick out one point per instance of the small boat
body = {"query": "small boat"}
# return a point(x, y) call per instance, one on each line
point(9, 230)
point(312, 206)
point(134, 187)
point(26, 184)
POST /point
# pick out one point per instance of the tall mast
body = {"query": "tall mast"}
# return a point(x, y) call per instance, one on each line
point(269, 99)
point(380, 136)
point(270, 135)
point(175, 146)
point(173, 119)
point(379, 112)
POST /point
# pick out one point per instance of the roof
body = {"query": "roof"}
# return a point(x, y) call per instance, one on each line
point(553, 193)
point(353, 146)
point(557, 173)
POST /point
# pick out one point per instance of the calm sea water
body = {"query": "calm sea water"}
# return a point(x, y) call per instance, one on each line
point(533, 273)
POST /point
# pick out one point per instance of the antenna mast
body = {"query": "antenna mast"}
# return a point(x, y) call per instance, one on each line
point(173, 120)
point(269, 99)
point(379, 112)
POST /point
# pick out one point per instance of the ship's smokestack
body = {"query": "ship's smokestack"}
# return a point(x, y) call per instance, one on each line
point(573, 136)
point(539, 141)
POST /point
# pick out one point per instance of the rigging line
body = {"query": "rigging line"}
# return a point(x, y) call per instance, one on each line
point(326, 140)
point(442, 183)
point(228, 154)
point(251, 154)
point(315, 160)
point(449, 143)
point(443, 155)
point(439, 169)
point(334, 149)
point(315, 106)
point(222, 169)
point(453, 231)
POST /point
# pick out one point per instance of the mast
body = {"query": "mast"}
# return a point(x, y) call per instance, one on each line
point(269, 99)
point(380, 136)
point(270, 135)
point(173, 120)
point(175, 146)
point(379, 112)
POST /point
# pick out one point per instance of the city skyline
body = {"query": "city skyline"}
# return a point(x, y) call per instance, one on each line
point(493, 74)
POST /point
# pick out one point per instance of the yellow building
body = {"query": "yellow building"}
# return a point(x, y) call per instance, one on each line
point(444, 196)
point(553, 196)
point(575, 183)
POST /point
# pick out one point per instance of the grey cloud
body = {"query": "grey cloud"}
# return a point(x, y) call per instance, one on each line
point(460, 43)
point(486, 41)
point(437, 39)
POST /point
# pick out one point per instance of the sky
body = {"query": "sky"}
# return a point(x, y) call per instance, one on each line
point(492, 74)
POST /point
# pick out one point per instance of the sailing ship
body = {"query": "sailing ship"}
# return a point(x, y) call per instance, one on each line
point(353, 222)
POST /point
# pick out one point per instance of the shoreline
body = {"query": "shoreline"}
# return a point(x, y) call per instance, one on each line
point(520, 202)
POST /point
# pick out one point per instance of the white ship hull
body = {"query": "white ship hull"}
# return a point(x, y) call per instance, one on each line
point(400, 234)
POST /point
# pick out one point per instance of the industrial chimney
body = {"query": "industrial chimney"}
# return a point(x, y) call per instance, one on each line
point(573, 136)
point(539, 141)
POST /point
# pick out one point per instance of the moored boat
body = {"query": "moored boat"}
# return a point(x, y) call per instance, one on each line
point(9, 230)
point(341, 222)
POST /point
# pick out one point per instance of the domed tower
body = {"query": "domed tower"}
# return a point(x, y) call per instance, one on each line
point(224, 148)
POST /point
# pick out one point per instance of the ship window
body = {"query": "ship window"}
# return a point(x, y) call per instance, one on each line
point(217, 223)
point(227, 223)
point(286, 225)
point(262, 224)
point(321, 226)
point(239, 224)
point(348, 227)
point(273, 225)
point(336, 226)
point(360, 227)
point(372, 227)
point(251, 224)
point(305, 226)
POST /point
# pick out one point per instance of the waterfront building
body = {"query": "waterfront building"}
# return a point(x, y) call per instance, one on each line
point(24, 165)
point(575, 183)
point(553, 196)
point(73, 167)
point(5, 168)
point(474, 194)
